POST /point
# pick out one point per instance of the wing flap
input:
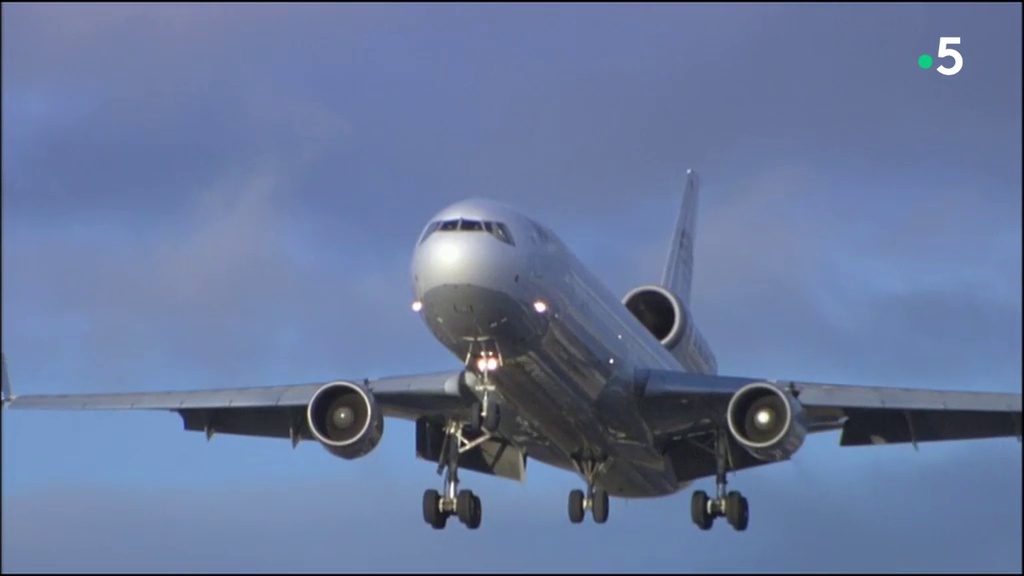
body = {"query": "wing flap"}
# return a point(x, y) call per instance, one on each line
point(265, 422)
point(874, 426)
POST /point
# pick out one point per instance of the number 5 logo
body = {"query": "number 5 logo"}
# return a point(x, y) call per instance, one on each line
point(945, 51)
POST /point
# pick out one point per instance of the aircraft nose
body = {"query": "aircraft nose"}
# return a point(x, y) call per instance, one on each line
point(460, 260)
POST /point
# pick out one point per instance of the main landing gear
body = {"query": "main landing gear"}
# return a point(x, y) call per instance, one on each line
point(485, 418)
point(437, 506)
point(732, 505)
point(595, 500)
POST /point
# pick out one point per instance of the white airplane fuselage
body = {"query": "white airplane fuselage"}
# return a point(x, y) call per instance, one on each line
point(568, 347)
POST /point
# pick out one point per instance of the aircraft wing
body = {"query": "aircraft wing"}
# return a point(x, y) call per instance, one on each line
point(269, 411)
point(866, 415)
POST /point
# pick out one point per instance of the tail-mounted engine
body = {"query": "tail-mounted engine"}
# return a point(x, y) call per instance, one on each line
point(345, 419)
point(767, 421)
point(668, 319)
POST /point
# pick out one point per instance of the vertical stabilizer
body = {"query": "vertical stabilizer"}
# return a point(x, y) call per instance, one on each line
point(678, 274)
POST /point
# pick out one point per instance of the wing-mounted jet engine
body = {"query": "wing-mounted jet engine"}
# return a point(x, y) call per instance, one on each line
point(667, 318)
point(767, 421)
point(345, 419)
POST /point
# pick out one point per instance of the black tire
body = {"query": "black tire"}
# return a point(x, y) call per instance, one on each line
point(475, 419)
point(431, 511)
point(493, 418)
point(478, 512)
point(465, 505)
point(599, 510)
point(737, 511)
point(576, 506)
point(699, 510)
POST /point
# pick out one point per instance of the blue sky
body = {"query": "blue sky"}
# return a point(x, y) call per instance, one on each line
point(203, 196)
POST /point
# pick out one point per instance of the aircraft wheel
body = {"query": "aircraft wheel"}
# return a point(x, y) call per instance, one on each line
point(475, 419)
point(699, 510)
point(477, 514)
point(576, 506)
point(432, 510)
point(599, 508)
point(493, 418)
point(465, 506)
point(737, 512)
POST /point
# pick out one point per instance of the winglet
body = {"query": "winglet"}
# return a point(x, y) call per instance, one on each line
point(5, 386)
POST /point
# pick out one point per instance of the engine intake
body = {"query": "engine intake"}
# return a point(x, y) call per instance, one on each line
point(660, 312)
point(345, 419)
point(667, 318)
point(767, 421)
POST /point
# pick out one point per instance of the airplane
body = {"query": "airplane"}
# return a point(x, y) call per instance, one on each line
point(625, 393)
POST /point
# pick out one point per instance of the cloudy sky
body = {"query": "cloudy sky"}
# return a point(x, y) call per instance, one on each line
point(202, 196)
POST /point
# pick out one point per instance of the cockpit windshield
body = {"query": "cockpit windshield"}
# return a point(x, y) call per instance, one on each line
point(496, 229)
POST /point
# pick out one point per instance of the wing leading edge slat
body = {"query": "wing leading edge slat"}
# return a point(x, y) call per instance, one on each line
point(268, 411)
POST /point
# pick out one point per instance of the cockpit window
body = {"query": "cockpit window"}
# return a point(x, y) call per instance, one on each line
point(430, 229)
point(496, 229)
point(500, 231)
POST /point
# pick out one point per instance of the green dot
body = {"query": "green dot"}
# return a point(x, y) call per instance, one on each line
point(925, 61)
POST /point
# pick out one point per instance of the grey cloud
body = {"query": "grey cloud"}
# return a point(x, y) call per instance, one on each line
point(457, 100)
point(195, 291)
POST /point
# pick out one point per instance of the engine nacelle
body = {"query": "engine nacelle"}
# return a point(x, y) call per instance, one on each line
point(669, 320)
point(661, 312)
point(345, 419)
point(767, 421)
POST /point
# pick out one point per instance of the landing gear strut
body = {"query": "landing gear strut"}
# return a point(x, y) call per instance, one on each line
point(437, 507)
point(732, 505)
point(486, 414)
point(595, 500)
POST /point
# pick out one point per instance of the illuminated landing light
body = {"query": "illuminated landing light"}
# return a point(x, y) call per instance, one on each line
point(487, 364)
point(417, 306)
point(540, 307)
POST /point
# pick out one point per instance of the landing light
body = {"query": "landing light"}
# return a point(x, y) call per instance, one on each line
point(487, 364)
point(417, 306)
point(540, 307)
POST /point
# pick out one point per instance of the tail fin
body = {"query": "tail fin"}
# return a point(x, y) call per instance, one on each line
point(678, 275)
